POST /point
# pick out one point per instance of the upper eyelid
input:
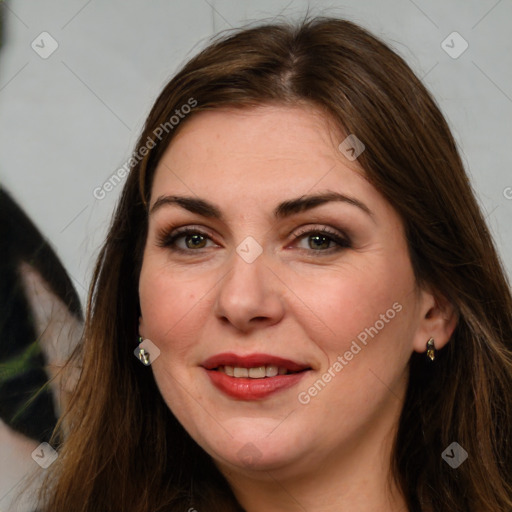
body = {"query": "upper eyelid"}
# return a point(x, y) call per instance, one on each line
point(299, 232)
point(311, 226)
point(313, 215)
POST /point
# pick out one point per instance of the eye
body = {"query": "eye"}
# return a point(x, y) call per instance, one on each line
point(320, 240)
point(189, 239)
point(192, 238)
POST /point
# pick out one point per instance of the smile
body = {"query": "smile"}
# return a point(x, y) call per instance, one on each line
point(253, 377)
point(257, 372)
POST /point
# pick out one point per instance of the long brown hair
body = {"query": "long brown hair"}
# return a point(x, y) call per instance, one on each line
point(122, 449)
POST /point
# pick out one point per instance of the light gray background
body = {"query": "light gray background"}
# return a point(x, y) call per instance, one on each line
point(70, 121)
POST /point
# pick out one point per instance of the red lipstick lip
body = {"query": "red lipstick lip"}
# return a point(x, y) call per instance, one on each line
point(242, 388)
point(252, 361)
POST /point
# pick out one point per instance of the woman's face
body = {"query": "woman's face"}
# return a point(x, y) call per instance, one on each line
point(284, 322)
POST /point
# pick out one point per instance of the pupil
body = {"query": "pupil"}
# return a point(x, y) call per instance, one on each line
point(194, 240)
point(317, 238)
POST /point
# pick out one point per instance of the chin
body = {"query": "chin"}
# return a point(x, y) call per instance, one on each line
point(255, 450)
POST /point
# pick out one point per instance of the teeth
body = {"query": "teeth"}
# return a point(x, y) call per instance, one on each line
point(271, 371)
point(258, 372)
point(240, 372)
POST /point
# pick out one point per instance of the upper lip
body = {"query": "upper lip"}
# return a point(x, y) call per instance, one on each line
point(252, 361)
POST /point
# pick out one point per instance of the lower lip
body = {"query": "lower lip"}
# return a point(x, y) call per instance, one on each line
point(253, 389)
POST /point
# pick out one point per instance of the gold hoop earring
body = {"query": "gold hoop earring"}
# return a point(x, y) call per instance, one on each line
point(431, 349)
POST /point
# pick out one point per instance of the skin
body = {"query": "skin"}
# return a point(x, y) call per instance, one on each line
point(299, 299)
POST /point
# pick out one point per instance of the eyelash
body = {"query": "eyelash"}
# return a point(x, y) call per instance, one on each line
point(168, 239)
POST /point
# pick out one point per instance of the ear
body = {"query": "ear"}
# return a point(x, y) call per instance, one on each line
point(438, 319)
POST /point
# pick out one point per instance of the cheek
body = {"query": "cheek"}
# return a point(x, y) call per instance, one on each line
point(168, 300)
point(341, 305)
point(367, 320)
point(369, 312)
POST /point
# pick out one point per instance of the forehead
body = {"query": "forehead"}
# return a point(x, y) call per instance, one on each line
point(257, 154)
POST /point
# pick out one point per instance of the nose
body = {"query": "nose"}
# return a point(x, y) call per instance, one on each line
point(250, 295)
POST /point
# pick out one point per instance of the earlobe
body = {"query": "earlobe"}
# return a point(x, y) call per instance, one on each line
point(438, 321)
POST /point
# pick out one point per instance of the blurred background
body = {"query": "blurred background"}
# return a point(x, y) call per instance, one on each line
point(77, 79)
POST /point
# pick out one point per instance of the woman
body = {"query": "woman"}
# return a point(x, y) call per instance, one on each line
point(300, 265)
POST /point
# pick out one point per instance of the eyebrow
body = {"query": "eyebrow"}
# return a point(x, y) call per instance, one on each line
point(282, 211)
